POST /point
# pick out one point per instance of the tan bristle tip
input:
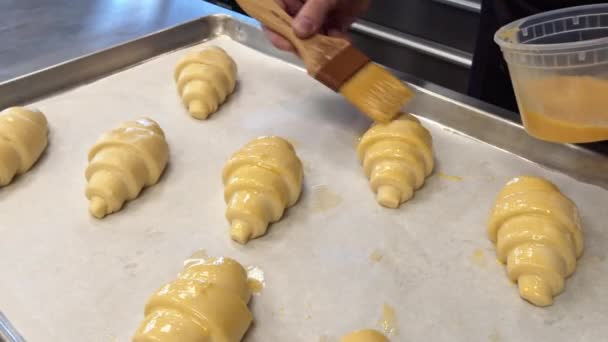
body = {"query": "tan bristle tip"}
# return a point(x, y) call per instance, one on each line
point(377, 93)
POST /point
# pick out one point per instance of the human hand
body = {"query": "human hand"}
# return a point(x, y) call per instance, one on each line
point(329, 17)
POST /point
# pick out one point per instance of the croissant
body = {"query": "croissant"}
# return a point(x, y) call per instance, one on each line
point(122, 162)
point(205, 79)
point(207, 303)
point(367, 335)
point(396, 157)
point(538, 234)
point(261, 180)
point(23, 137)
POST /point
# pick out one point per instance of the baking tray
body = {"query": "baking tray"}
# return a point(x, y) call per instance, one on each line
point(335, 261)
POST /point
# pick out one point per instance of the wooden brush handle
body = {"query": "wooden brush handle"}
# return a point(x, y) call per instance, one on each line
point(316, 51)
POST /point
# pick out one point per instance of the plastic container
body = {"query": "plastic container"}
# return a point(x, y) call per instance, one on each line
point(558, 62)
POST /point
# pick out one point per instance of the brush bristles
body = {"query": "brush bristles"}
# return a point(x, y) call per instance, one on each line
point(377, 93)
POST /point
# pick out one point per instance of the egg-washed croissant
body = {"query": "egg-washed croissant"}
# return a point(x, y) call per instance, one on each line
point(205, 79)
point(397, 157)
point(23, 137)
point(538, 234)
point(366, 335)
point(261, 180)
point(122, 162)
point(207, 303)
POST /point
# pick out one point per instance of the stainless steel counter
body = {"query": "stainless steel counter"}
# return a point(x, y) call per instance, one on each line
point(38, 33)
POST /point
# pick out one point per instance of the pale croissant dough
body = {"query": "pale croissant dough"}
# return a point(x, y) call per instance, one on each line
point(366, 335)
point(23, 137)
point(261, 180)
point(396, 157)
point(538, 234)
point(207, 303)
point(122, 162)
point(205, 79)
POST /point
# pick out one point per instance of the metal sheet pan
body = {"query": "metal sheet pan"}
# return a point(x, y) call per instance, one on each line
point(337, 257)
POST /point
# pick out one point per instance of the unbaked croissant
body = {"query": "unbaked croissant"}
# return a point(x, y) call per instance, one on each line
point(538, 234)
point(122, 162)
point(396, 157)
point(366, 335)
point(207, 303)
point(23, 137)
point(261, 180)
point(205, 79)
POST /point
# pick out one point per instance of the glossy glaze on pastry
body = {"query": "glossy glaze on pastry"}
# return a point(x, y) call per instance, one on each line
point(205, 79)
point(366, 335)
point(23, 137)
point(122, 162)
point(261, 180)
point(538, 234)
point(397, 157)
point(207, 303)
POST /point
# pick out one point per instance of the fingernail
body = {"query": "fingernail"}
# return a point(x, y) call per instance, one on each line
point(303, 27)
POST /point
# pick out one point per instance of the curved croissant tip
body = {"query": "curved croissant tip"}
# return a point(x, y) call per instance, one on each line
point(535, 290)
point(198, 110)
point(98, 207)
point(388, 196)
point(241, 231)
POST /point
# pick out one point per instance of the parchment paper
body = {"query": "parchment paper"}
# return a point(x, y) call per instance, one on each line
point(330, 265)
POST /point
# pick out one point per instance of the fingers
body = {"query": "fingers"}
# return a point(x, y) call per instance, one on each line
point(292, 6)
point(278, 41)
point(316, 16)
point(312, 16)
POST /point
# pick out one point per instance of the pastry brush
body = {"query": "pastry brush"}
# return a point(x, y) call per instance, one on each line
point(338, 65)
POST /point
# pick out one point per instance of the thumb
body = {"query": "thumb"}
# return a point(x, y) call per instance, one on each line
point(312, 16)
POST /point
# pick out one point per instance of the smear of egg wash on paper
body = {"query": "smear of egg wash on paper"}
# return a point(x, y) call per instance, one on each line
point(324, 338)
point(376, 256)
point(450, 177)
point(388, 320)
point(494, 336)
point(478, 257)
point(323, 199)
point(255, 279)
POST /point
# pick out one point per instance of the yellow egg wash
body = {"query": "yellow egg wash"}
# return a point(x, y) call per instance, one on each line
point(324, 199)
point(478, 257)
point(450, 177)
point(365, 335)
point(256, 280)
point(538, 235)
point(570, 109)
point(388, 320)
point(376, 256)
point(207, 303)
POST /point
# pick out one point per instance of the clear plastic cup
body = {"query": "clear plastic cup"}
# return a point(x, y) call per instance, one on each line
point(558, 62)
